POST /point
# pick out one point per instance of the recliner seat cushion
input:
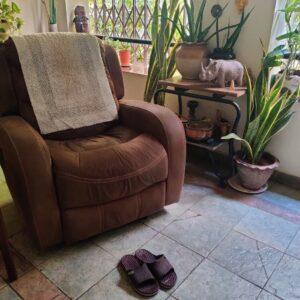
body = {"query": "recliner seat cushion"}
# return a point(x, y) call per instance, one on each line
point(107, 167)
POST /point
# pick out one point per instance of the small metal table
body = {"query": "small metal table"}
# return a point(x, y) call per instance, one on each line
point(205, 92)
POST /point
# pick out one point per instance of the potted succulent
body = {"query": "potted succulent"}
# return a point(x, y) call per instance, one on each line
point(269, 109)
point(9, 20)
point(193, 49)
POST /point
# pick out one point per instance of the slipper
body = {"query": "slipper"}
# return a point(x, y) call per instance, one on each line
point(159, 266)
point(140, 276)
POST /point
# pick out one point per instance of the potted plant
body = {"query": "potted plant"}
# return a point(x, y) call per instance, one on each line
point(226, 51)
point(162, 58)
point(52, 15)
point(123, 49)
point(269, 109)
point(125, 54)
point(9, 22)
point(292, 44)
point(193, 49)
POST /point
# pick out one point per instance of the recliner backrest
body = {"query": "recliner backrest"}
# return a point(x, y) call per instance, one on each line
point(14, 98)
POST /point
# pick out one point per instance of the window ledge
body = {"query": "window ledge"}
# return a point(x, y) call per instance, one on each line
point(137, 69)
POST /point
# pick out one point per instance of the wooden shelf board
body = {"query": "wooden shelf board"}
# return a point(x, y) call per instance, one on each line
point(196, 85)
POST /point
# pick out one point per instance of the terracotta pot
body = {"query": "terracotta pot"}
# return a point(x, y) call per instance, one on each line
point(125, 58)
point(4, 35)
point(189, 57)
point(254, 177)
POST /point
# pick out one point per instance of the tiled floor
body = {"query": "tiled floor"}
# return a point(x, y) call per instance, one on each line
point(224, 245)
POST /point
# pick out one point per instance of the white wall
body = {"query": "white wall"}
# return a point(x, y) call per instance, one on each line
point(35, 17)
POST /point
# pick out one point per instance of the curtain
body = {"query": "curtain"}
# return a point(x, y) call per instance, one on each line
point(279, 26)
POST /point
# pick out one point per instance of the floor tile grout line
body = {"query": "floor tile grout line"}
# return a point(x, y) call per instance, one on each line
point(225, 268)
point(284, 254)
point(171, 294)
point(253, 239)
point(264, 287)
point(115, 268)
point(106, 275)
point(175, 218)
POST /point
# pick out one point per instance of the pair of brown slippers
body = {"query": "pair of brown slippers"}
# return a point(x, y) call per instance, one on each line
point(147, 272)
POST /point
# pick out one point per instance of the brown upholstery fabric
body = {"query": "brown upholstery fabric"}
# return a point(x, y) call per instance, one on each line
point(114, 68)
point(62, 208)
point(166, 127)
point(28, 169)
point(8, 100)
point(103, 217)
point(107, 167)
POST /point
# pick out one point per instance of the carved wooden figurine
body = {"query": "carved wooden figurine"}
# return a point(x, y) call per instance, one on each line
point(222, 72)
point(81, 20)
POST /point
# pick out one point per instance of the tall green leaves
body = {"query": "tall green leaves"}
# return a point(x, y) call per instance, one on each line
point(162, 57)
point(269, 108)
point(52, 12)
point(193, 31)
point(292, 37)
point(231, 39)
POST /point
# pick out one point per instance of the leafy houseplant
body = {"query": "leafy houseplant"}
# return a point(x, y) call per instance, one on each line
point(269, 109)
point(125, 54)
point(9, 20)
point(194, 36)
point(123, 49)
point(291, 39)
point(162, 58)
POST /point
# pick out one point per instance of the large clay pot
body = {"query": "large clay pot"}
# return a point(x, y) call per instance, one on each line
point(254, 177)
point(4, 32)
point(189, 57)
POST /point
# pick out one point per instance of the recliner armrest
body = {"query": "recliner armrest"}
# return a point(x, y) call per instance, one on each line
point(28, 169)
point(166, 127)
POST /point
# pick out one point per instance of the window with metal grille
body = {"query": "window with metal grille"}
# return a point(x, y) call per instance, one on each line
point(124, 19)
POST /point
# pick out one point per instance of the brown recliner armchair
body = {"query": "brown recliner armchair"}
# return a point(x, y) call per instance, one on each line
point(80, 183)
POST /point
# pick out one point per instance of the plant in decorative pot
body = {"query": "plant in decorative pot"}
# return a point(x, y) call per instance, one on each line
point(52, 14)
point(123, 49)
point(162, 58)
point(125, 54)
point(9, 22)
point(269, 109)
point(193, 49)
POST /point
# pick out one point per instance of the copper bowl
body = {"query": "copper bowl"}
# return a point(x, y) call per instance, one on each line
point(199, 130)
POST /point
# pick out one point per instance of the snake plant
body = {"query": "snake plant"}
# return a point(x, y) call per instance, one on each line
point(231, 38)
point(162, 57)
point(269, 109)
point(52, 12)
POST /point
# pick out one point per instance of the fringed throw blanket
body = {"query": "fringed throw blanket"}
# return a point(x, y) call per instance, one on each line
point(66, 80)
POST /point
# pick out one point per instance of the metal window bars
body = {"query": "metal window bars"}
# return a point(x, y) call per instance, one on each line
point(124, 19)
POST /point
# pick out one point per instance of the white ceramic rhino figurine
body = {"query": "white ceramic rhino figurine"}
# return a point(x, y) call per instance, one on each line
point(222, 71)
